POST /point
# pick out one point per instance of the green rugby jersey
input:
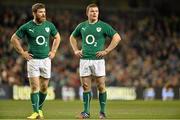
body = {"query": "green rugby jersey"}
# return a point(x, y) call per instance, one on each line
point(38, 36)
point(93, 37)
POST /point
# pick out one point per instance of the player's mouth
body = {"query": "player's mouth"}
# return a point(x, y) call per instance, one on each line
point(43, 17)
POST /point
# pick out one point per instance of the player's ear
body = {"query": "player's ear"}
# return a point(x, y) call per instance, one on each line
point(33, 13)
point(87, 13)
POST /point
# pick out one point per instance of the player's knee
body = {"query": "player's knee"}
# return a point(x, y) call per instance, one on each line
point(86, 87)
point(101, 88)
point(34, 88)
point(43, 88)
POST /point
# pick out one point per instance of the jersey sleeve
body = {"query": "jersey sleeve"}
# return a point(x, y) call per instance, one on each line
point(21, 32)
point(77, 31)
point(109, 31)
point(53, 30)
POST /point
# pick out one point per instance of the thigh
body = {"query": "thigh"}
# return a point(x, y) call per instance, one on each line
point(45, 68)
point(84, 68)
point(99, 68)
point(33, 68)
point(100, 80)
point(44, 81)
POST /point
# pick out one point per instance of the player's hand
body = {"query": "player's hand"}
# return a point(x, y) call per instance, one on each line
point(27, 55)
point(78, 53)
point(101, 54)
point(51, 54)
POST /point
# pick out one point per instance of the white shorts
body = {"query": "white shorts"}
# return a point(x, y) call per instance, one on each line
point(92, 67)
point(39, 67)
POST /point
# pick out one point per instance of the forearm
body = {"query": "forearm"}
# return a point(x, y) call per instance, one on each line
point(73, 43)
point(114, 42)
point(16, 44)
point(56, 43)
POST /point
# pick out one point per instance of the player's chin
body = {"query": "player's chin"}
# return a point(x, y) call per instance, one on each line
point(43, 19)
point(94, 19)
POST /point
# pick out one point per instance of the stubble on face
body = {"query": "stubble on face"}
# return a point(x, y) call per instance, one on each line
point(40, 15)
point(93, 14)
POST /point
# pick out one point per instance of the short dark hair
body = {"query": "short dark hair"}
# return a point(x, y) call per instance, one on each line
point(37, 6)
point(91, 5)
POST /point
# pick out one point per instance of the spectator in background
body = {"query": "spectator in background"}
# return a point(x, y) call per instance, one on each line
point(167, 92)
point(149, 93)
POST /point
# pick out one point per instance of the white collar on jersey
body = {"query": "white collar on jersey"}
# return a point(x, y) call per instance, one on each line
point(37, 23)
point(93, 22)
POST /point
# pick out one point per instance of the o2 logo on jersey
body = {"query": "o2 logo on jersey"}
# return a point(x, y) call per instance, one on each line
point(90, 39)
point(40, 40)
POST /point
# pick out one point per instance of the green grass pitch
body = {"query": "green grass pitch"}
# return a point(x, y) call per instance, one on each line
point(57, 109)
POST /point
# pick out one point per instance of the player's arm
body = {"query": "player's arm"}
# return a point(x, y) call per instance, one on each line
point(114, 42)
point(55, 45)
point(15, 41)
point(74, 45)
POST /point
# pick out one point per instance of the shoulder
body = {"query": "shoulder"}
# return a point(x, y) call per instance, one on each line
point(29, 22)
point(103, 23)
point(49, 22)
point(26, 25)
point(82, 24)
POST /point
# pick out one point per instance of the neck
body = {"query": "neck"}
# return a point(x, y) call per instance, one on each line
point(92, 21)
point(37, 22)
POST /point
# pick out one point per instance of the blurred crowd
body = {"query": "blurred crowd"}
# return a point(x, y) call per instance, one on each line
point(148, 55)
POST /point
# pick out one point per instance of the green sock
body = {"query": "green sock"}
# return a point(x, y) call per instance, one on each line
point(35, 101)
point(42, 97)
point(102, 101)
point(86, 101)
